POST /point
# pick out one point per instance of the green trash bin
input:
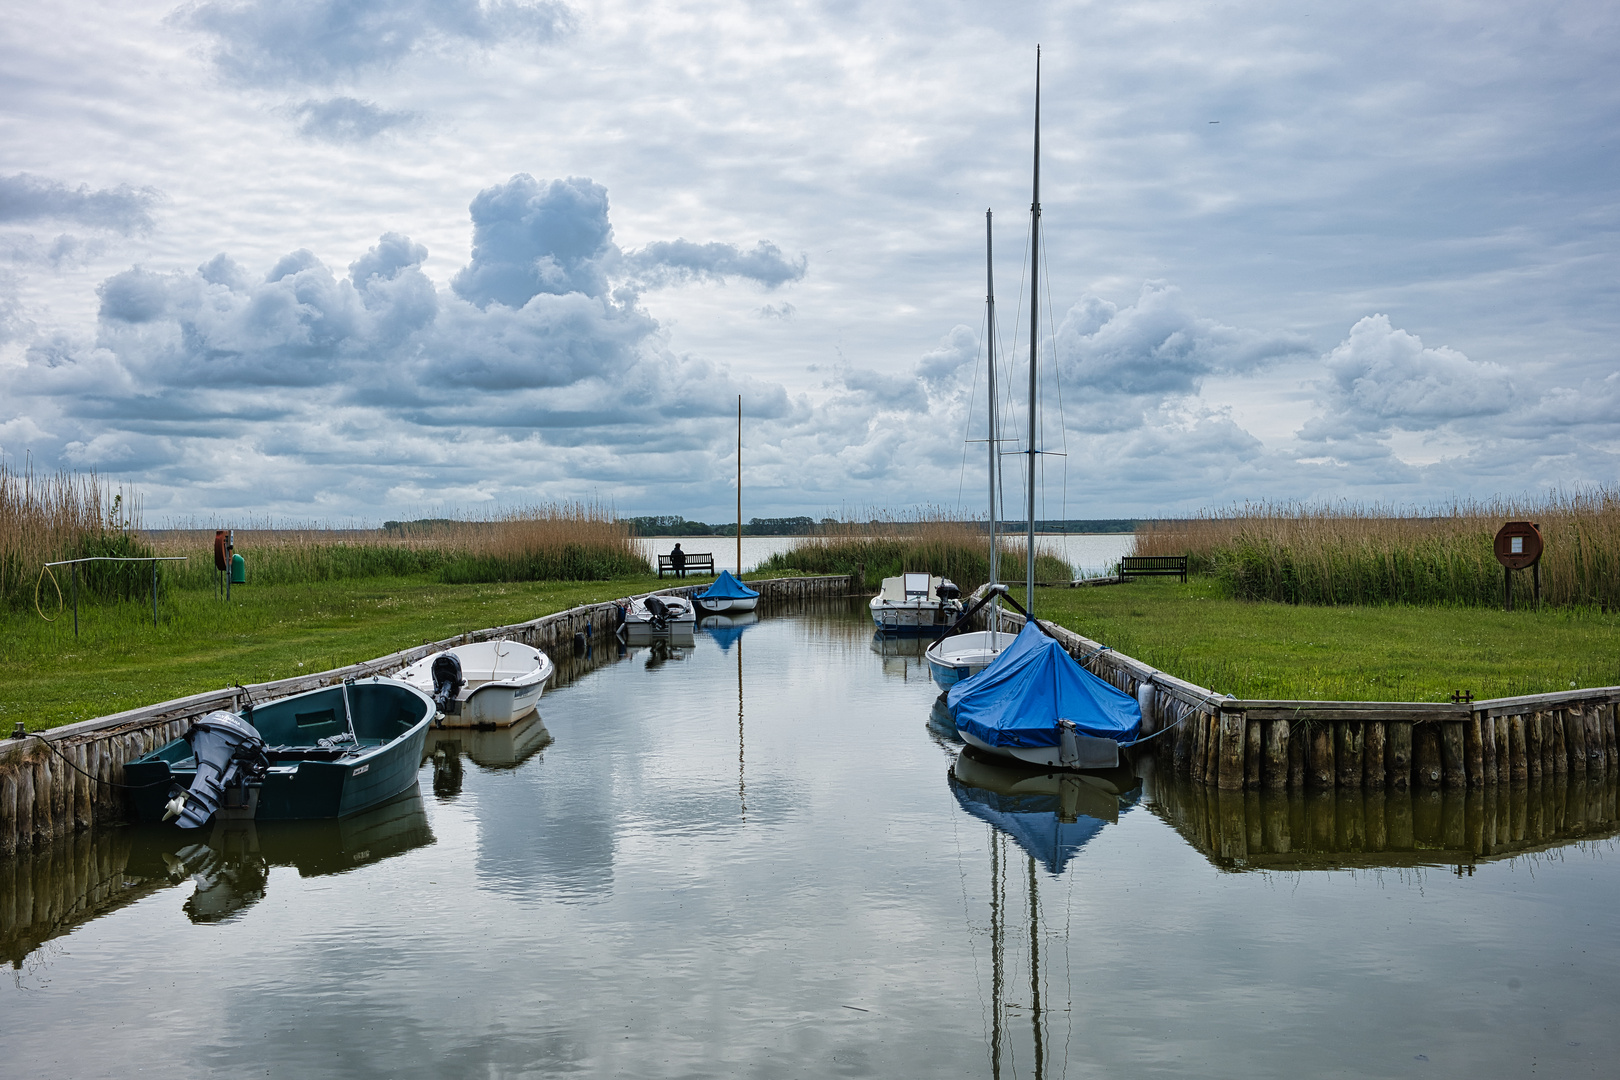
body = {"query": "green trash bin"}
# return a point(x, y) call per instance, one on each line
point(238, 570)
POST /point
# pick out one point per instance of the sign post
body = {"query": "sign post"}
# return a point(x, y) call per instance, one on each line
point(1518, 547)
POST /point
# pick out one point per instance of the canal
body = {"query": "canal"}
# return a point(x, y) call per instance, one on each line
point(761, 857)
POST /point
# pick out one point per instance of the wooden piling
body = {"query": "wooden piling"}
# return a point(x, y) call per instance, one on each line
point(1319, 767)
point(1428, 769)
point(1611, 746)
point(1560, 753)
point(1474, 750)
point(1373, 766)
point(1596, 761)
point(1518, 767)
point(1182, 755)
point(1253, 760)
point(1296, 756)
point(1532, 745)
point(1200, 750)
point(1399, 754)
point(1453, 754)
point(1575, 734)
point(1347, 755)
point(1212, 746)
point(1487, 734)
point(1234, 737)
point(1277, 749)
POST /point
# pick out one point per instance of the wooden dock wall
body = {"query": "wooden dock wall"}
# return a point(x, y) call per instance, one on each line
point(1238, 745)
point(42, 797)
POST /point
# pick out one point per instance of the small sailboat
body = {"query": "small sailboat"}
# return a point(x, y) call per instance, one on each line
point(486, 683)
point(916, 604)
point(959, 655)
point(727, 595)
point(324, 753)
point(1034, 702)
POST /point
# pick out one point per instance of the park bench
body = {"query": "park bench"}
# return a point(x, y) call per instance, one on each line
point(1153, 566)
point(697, 562)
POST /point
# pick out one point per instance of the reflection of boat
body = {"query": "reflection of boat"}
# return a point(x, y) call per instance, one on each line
point(321, 754)
point(959, 656)
point(901, 654)
point(232, 868)
point(727, 629)
point(1051, 815)
point(490, 682)
point(499, 748)
point(940, 724)
point(915, 604)
point(656, 617)
point(726, 594)
point(1036, 704)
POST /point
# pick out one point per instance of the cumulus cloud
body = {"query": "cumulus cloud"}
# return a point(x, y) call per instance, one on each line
point(272, 42)
point(1381, 378)
point(123, 209)
point(667, 261)
point(346, 119)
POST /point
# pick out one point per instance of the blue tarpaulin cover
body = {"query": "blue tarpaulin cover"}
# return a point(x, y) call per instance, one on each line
point(726, 587)
point(1019, 698)
point(1033, 823)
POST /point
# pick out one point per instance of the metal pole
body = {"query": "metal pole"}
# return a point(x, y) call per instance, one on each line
point(995, 446)
point(1507, 589)
point(1034, 320)
point(75, 599)
point(739, 485)
point(154, 592)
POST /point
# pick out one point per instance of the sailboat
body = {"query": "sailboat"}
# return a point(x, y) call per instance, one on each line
point(1033, 702)
point(727, 594)
point(958, 656)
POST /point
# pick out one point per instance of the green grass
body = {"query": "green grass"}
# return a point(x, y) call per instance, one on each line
point(1262, 649)
point(120, 661)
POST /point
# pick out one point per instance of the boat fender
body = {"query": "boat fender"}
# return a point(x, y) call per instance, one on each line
point(1144, 700)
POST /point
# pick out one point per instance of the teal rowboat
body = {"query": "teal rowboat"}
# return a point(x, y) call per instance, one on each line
point(326, 753)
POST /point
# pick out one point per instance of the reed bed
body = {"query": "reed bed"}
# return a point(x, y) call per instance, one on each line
point(885, 546)
point(1368, 554)
point(553, 542)
point(63, 515)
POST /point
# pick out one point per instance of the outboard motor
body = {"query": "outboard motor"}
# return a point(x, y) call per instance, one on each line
point(659, 612)
point(230, 760)
point(447, 683)
point(948, 589)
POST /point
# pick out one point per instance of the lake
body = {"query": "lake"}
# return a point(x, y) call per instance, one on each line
point(1091, 554)
point(762, 857)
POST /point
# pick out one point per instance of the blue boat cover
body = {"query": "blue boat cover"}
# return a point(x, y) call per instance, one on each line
point(726, 587)
point(1033, 823)
point(1019, 698)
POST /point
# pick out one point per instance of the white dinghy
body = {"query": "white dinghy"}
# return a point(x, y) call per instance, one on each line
point(916, 604)
point(486, 683)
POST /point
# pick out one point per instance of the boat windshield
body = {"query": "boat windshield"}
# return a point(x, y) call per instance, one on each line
point(917, 586)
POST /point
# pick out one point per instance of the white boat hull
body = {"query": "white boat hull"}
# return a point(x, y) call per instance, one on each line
point(722, 605)
point(961, 656)
point(641, 627)
point(504, 682)
point(1097, 753)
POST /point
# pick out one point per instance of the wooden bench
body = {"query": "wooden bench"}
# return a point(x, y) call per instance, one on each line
point(697, 562)
point(1153, 566)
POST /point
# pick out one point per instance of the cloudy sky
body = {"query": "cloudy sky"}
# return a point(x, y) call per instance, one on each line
point(343, 260)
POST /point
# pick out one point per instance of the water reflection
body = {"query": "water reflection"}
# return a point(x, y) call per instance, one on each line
point(1331, 830)
point(495, 748)
point(1051, 815)
point(903, 656)
point(727, 629)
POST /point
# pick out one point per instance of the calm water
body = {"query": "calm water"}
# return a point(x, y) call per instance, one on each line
point(1091, 554)
point(664, 882)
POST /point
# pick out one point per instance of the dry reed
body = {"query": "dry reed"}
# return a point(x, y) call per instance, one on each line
point(1355, 554)
point(885, 545)
point(64, 515)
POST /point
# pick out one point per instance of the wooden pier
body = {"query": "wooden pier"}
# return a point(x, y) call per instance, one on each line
point(43, 796)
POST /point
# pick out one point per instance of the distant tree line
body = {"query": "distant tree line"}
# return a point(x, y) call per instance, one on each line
point(676, 525)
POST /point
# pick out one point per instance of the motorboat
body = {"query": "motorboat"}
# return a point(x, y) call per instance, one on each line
point(657, 616)
point(324, 753)
point(913, 603)
point(489, 683)
point(1034, 703)
point(961, 656)
point(727, 595)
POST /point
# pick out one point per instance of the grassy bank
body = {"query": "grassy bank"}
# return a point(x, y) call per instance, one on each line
point(1348, 554)
point(120, 661)
point(1387, 652)
point(949, 549)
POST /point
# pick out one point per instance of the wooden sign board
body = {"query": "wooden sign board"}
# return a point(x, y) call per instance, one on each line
point(1518, 545)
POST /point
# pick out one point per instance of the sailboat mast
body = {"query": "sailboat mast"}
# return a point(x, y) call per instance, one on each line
point(739, 485)
point(1034, 322)
point(995, 447)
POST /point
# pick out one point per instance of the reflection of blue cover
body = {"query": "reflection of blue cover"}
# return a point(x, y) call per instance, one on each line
point(725, 633)
point(1032, 822)
point(1019, 698)
point(726, 587)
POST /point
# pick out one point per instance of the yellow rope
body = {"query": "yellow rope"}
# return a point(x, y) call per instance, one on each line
point(59, 602)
